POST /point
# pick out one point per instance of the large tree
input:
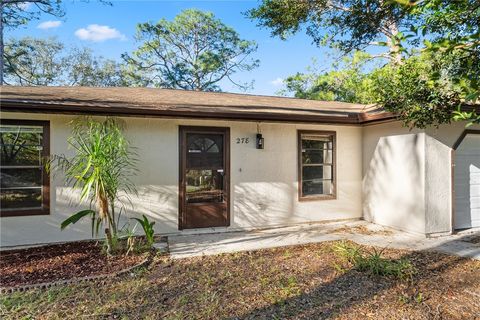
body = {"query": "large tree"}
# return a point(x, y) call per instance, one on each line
point(195, 51)
point(455, 30)
point(32, 61)
point(348, 82)
point(15, 13)
point(434, 49)
point(348, 25)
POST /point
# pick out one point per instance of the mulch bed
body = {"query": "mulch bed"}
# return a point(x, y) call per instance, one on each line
point(59, 262)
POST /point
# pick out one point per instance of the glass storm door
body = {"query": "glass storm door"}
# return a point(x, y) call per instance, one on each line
point(204, 153)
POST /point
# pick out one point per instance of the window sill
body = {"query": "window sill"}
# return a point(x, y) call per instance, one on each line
point(24, 213)
point(317, 198)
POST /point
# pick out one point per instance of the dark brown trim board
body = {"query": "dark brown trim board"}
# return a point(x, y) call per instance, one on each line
point(45, 210)
point(452, 173)
point(327, 117)
point(183, 130)
point(299, 165)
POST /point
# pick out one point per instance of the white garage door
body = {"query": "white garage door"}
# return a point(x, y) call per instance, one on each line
point(467, 183)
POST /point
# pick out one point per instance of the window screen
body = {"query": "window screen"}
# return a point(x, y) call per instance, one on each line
point(317, 164)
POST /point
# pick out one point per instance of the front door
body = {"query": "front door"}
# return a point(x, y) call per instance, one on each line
point(204, 177)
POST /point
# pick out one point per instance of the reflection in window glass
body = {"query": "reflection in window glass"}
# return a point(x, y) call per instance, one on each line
point(204, 186)
point(317, 165)
point(21, 169)
point(204, 151)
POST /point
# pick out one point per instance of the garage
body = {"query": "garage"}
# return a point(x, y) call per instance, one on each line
point(467, 181)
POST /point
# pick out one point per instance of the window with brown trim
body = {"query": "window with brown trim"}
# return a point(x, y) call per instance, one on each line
point(24, 185)
point(316, 165)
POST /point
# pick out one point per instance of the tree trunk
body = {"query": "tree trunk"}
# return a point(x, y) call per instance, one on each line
point(108, 234)
point(102, 203)
point(2, 62)
point(393, 45)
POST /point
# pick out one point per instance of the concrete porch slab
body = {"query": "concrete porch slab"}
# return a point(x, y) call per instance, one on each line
point(362, 232)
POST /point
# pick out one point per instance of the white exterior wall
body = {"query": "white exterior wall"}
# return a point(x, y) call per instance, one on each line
point(407, 181)
point(439, 175)
point(263, 182)
point(394, 176)
point(438, 187)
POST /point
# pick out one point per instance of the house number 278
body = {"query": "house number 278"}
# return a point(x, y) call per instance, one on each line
point(242, 140)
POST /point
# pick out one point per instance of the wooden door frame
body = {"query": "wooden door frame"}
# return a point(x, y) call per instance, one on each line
point(182, 133)
point(452, 160)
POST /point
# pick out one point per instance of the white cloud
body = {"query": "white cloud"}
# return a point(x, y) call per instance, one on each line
point(97, 33)
point(49, 25)
point(277, 82)
point(24, 5)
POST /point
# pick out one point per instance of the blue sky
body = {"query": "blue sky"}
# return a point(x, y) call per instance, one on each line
point(115, 29)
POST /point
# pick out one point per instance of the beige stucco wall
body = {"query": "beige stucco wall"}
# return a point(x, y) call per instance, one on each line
point(393, 176)
point(263, 182)
point(440, 142)
point(407, 176)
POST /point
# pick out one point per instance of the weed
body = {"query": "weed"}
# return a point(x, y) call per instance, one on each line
point(403, 299)
point(147, 226)
point(419, 298)
point(373, 261)
point(183, 300)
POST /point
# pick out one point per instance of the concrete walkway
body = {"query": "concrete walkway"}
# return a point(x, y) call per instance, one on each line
point(361, 232)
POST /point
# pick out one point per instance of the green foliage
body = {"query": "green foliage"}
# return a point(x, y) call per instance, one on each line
point(348, 25)
point(100, 168)
point(426, 89)
point(15, 13)
point(147, 229)
point(77, 217)
point(374, 262)
point(195, 51)
point(472, 117)
point(348, 83)
point(455, 29)
point(422, 91)
point(32, 61)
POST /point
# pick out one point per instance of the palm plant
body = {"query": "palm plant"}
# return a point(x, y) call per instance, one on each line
point(101, 168)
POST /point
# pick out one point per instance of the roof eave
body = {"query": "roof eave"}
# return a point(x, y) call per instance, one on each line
point(63, 108)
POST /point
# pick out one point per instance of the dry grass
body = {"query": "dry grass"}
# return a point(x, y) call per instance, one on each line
point(300, 282)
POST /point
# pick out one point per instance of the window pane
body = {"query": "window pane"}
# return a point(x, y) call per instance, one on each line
point(204, 151)
point(204, 186)
point(317, 156)
point(317, 172)
point(310, 188)
point(21, 145)
point(20, 177)
point(209, 143)
point(316, 142)
point(317, 164)
point(21, 199)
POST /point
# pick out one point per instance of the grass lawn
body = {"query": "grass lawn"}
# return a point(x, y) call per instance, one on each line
point(300, 282)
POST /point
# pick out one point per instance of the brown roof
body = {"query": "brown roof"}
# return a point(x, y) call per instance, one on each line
point(181, 103)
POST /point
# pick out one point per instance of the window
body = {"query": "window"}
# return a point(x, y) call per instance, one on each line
point(316, 165)
point(204, 168)
point(24, 183)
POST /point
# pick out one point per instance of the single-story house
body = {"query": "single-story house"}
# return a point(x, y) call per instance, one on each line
point(217, 162)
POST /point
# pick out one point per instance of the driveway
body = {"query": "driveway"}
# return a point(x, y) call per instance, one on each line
point(362, 232)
